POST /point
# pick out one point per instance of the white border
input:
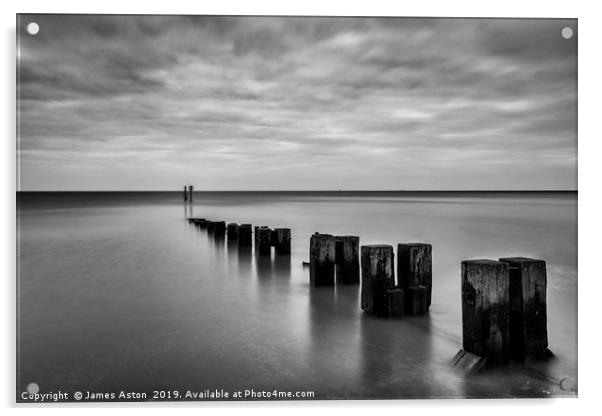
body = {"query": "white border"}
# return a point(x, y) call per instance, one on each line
point(589, 187)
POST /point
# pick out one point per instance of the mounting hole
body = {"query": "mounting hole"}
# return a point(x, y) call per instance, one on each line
point(567, 384)
point(566, 32)
point(33, 28)
point(33, 388)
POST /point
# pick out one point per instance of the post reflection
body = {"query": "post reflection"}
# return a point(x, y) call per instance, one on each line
point(245, 260)
point(282, 266)
point(333, 340)
point(395, 357)
point(263, 265)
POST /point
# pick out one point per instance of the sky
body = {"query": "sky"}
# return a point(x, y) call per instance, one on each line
point(296, 103)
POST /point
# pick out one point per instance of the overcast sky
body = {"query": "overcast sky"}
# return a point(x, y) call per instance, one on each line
point(229, 103)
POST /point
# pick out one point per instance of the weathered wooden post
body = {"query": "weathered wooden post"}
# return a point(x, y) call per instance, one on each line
point(185, 193)
point(528, 312)
point(190, 188)
point(210, 226)
point(321, 260)
point(414, 269)
point(262, 240)
point(485, 309)
point(347, 259)
point(377, 277)
point(232, 231)
point(219, 228)
point(245, 235)
point(281, 240)
point(418, 298)
point(395, 299)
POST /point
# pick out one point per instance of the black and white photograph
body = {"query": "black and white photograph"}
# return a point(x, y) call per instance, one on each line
point(243, 208)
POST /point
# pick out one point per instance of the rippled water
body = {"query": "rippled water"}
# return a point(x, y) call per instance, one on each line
point(118, 292)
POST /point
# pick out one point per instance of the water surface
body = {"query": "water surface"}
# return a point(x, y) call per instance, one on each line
point(118, 292)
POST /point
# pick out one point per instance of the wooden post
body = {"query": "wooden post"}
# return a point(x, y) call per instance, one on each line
point(528, 312)
point(232, 231)
point(245, 235)
point(347, 259)
point(262, 240)
point(190, 188)
point(417, 297)
point(485, 309)
point(255, 233)
point(185, 194)
point(220, 227)
point(210, 226)
point(377, 277)
point(321, 260)
point(395, 298)
point(414, 269)
point(281, 240)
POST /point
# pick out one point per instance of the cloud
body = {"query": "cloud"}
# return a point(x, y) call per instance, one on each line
point(296, 103)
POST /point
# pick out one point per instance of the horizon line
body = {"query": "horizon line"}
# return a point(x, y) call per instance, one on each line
point(308, 190)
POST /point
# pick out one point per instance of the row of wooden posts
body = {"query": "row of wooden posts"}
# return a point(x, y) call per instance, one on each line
point(504, 313)
point(337, 259)
point(265, 238)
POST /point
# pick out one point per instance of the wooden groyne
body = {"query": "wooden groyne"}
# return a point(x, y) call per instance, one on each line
point(245, 236)
point(412, 293)
point(504, 308)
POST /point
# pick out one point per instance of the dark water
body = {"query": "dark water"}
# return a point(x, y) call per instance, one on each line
point(118, 292)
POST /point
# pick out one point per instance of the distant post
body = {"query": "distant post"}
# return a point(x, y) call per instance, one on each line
point(232, 231)
point(185, 194)
point(245, 235)
point(190, 188)
point(201, 223)
point(210, 226)
point(219, 228)
point(377, 278)
point(347, 259)
point(263, 240)
point(321, 260)
point(395, 300)
point(281, 240)
point(485, 309)
point(528, 312)
point(414, 269)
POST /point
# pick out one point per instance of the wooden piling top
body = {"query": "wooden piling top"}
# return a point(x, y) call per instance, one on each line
point(378, 246)
point(484, 262)
point(517, 261)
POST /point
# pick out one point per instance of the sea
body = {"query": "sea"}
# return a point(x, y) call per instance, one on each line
point(117, 292)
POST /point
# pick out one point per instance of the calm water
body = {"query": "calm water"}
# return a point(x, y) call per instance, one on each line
point(118, 292)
